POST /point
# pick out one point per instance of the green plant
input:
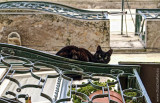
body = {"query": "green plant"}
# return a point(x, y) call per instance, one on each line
point(131, 94)
point(89, 90)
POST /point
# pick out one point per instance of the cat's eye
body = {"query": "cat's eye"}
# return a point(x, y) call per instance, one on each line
point(106, 57)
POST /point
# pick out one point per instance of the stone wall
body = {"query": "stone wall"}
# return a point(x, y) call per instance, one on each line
point(52, 32)
point(153, 34)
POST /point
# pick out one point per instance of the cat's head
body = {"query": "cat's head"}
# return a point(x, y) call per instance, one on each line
point(101, 56)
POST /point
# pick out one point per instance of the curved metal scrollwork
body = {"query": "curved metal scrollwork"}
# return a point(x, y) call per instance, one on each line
point(62, 74)
point(65, 74)
point(56, 9)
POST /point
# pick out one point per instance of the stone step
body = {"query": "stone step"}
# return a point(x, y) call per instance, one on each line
point(128, 50)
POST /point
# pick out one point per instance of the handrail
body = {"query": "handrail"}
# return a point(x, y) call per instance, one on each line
point(51, 58)
point(56, 9)
point(35, 60)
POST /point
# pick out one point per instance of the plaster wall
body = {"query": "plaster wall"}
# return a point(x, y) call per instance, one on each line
point(153, 34)
point(52, 32)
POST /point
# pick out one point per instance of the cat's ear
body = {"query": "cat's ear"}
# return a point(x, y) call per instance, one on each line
point(110, 51)
point(99, 48)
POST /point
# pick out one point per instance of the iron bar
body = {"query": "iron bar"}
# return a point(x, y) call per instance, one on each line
point(142, 87)
point(78, 67)
point(122, 18)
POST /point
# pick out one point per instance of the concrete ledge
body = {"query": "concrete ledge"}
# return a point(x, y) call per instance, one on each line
point(152, 36)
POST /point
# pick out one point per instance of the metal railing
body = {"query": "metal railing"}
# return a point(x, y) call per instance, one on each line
point(65, 68)
point(56, 9)
point(141, 16)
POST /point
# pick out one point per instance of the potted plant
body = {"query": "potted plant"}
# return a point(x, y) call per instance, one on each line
point(133, 95)
point(91, 91)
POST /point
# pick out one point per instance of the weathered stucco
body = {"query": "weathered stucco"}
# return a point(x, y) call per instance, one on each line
point(153, 34)
point(52, 32)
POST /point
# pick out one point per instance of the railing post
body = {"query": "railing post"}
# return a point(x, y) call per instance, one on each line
point(122, 18)
point(147, 99)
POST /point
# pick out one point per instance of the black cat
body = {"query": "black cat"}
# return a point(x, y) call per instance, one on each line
point(101, 56)
point(82, 54)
